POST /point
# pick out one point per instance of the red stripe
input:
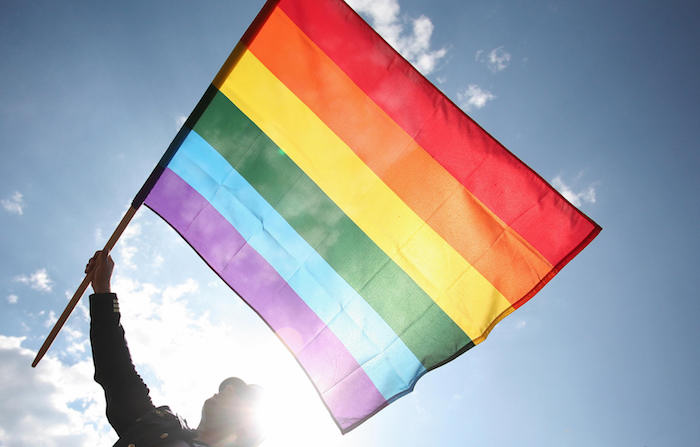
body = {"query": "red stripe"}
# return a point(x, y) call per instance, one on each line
point(514, 192)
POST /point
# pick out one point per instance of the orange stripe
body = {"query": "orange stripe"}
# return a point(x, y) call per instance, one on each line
point(502, 256)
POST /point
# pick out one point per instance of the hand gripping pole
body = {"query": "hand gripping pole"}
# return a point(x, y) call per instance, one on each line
point(81, 288)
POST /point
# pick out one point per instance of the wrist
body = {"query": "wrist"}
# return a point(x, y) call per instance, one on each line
point(101, 288)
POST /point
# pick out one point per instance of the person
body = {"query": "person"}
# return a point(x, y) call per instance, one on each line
point(228, 417)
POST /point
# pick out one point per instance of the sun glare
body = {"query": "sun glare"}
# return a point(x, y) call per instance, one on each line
point(292, 412)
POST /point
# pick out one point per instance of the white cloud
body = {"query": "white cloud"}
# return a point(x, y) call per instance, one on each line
point(170, 340)
point(128, 244)
point(180, 120)
point(14, 204)
point(79, 343)
point(127, 253)
point(181, 350)
point(99, 236)
point(82, 307)
point(586, 195)
point(162, 326)
point(413, 44)
point(520, 324)
point(474, 97)
point(12, 298)
point(158, 260)
point(174, 293)
point(496, 60)
point(37, 402)
point(38, 280)
point(50, 320)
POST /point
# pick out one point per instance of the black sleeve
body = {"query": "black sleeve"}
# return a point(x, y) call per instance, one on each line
point(126, 394)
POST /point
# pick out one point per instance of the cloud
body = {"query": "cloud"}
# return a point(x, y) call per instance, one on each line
point(474, 97)
point(79, 343)
point(170, 339)
point(162, 327)
point(127, 250)
point(99, 236)
point(51, 319)
point(185, 337)
point(14, 204)
point(520, 324)
point(586, 195)
point(12, 298)
point(64, 400)
point(40, 404)
point(158, 260)
point(413, 44)
point(38, 280)
point(496, 60)
point(180, 120)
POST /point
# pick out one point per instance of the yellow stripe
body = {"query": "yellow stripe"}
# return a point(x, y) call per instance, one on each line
point(457, 287)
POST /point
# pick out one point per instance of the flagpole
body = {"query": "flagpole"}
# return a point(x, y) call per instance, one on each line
point(158, 170)
point(135, 205)
point(83, 285)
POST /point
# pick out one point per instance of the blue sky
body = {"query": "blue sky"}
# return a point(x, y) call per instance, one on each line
point(598, 97)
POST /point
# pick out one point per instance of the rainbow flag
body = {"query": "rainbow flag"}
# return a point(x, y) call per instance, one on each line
point(376, 228)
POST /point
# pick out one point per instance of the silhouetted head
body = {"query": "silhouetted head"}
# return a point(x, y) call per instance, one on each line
point(230, 417)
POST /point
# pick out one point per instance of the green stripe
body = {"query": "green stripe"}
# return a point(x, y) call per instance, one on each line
point(430, 334)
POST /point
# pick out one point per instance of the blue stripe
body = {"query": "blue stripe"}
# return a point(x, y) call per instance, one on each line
point(390, 364)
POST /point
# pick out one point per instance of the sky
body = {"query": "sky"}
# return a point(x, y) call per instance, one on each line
point(600, 98)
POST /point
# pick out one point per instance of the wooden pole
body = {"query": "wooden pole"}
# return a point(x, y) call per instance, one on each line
point(81, 288)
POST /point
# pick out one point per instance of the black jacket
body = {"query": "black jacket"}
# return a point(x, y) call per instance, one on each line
point(129, 408)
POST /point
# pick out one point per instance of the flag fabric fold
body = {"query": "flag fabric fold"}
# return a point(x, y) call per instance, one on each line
point(376, 228)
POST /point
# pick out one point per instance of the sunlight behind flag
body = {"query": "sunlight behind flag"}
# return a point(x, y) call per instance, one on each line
point(375, 227)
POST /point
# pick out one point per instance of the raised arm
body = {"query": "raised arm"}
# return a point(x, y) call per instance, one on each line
point(126, 394)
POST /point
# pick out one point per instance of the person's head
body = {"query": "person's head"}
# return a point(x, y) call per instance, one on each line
point(230, 417)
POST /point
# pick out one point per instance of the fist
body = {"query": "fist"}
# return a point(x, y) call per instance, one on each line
point(100, 268)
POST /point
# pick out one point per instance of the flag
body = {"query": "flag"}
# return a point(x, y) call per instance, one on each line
point(376, 228)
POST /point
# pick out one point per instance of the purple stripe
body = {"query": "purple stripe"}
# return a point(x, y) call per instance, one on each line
point(349, 393)
point(349, 401)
